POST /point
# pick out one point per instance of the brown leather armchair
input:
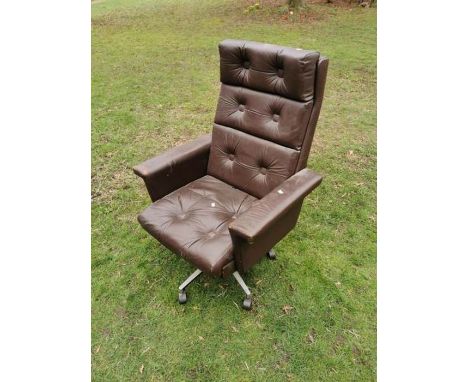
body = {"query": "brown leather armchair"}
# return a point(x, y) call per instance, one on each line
point(224, 200)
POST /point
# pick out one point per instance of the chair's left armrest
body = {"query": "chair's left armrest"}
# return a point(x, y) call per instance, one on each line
point(175, 168)
point(258, 229)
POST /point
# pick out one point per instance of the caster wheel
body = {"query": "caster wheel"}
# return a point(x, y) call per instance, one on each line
point(271, 254)
point(247, 303)
point(182, 297)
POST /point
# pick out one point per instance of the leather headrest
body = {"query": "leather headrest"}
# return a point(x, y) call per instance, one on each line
point(269, 68)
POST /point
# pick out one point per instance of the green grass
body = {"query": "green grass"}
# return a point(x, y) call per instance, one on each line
point(154, 85)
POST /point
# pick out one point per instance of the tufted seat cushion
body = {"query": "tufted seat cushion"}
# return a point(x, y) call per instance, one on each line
point(193, 221)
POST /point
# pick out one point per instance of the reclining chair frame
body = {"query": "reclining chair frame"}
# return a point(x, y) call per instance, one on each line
point(268, 77)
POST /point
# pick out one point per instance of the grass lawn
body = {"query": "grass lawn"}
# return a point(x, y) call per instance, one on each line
point(155, 85)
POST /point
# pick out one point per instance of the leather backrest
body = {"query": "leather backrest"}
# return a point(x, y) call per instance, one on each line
point(268, 107)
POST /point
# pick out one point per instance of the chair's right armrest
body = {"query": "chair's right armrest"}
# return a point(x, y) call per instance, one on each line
point(175, 168)
point(269, 219)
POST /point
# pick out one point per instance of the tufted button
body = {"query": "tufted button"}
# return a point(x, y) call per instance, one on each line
point(280, 73)
point(275, 117)
point(246, 64)
point(241, 107)
point(211, 234)
point(182, 216)
point(263, 170)
point(231, 156)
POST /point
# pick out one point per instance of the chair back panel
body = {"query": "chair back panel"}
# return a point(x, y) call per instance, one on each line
point(269, 68)
point(267, 111)
point(275, 118)
point(248, 163)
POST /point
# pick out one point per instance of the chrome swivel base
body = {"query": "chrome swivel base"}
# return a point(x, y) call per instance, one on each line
point(246, 304)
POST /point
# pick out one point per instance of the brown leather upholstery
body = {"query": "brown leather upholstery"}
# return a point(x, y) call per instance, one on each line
point(252, 164)
point(193, 221)
point(257, 230)
point(264, 115)
point(224, 200)
point(175, 168)
point(269, 68)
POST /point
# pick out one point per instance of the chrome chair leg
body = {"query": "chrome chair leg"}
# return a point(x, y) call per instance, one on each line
point(185, 284)
point(247, 303)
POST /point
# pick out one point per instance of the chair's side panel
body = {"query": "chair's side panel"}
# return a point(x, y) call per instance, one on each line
point(246, 254)
point(322, 69)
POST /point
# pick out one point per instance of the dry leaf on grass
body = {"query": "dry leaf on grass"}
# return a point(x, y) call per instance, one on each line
point(311, 336)
point(287, 309)
point(142, 367)
point(144, 351)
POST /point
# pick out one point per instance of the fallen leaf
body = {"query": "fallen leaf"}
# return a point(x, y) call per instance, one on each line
point(142, 367)
point(287, 308)
point(235, 329)
point(144, 351)
point(311, 337)
point(338, 284)
point(353, 332)
point(200, 338)
point(97, 349)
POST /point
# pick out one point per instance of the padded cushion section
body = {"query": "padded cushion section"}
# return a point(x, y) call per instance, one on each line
point(251, 164)
point(275, 118)
point(193, 221)
point(270, 68)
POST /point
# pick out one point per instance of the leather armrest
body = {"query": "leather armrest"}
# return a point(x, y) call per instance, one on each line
point(175, 167)
point(265, 223)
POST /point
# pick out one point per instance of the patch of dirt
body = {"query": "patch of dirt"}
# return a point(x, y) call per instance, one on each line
point(105, 183)
point(338, 343)
point(278, 11)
